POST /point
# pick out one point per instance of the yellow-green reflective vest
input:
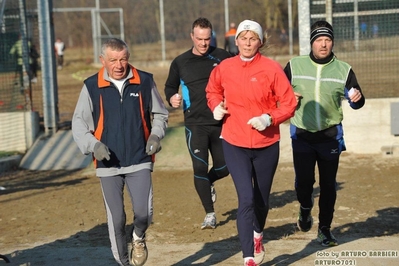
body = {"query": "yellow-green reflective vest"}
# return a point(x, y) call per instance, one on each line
point(322, 87)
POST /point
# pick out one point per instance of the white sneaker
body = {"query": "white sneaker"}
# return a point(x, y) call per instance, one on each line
point(259, 250)
point(213, 193)
point(250, 262)
point(209, 221)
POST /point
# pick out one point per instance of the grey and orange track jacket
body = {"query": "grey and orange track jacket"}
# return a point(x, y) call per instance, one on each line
point(122, 121)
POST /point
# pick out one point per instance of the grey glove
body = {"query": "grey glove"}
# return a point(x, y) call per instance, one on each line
point(153, 145)
point(101, 151)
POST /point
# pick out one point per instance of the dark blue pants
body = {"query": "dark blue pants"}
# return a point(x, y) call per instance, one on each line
point(252, 171)
point(326, 155)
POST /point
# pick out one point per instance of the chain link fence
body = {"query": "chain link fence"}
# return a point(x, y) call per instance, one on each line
point(366, 36)
point(19, 56)
point(19, 64)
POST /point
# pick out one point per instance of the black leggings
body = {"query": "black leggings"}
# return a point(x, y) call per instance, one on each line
point(202, 140)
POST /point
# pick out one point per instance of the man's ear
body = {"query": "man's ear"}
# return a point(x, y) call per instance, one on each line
point(101, 59)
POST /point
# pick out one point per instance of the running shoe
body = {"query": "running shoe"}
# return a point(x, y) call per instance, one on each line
point(326, 238)
point(259, 250)
point(305, 220)
point(250, 262)
point(139, 253)
point(209, 221)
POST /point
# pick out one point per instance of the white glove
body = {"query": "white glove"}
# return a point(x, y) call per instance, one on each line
point(260, 123)
point(219, 111)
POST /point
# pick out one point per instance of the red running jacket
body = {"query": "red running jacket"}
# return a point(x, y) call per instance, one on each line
point(250, 89)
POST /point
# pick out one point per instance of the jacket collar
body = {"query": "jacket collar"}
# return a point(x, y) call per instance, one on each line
point(254, 59)
point(103, 78)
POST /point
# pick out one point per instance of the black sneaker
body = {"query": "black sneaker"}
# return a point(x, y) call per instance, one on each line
point(326, 238)
point(305, 220)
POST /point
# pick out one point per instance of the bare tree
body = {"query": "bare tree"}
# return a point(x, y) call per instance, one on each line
point(141, 18)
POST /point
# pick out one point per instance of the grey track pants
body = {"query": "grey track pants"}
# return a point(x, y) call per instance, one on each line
point(139, 186)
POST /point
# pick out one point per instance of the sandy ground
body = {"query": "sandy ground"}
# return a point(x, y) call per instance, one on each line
point(58, 218)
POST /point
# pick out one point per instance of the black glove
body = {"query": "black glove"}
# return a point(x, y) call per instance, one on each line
point(101, 151)
point(153, 145)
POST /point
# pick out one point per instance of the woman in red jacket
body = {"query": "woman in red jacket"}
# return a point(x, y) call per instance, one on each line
point(252, 95)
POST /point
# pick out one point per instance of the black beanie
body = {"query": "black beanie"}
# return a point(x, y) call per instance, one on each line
point(326, 30)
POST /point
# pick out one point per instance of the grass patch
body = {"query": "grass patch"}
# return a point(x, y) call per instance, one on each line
point(4, 154)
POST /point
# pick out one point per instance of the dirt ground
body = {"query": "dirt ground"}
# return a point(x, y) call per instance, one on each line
point(48, 214)
point(58, 217)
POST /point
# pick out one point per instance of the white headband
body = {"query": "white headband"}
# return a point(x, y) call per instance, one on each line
point(252, 26)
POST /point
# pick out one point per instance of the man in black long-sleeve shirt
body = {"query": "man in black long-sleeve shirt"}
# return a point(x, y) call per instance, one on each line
point(191, 71)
